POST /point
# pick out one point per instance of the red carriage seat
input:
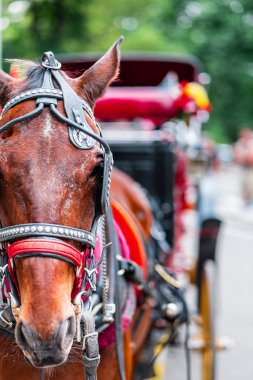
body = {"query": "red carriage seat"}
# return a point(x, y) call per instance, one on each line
point(153, 103)
point(132, 233)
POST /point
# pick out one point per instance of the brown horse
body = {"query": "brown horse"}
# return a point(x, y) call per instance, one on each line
point(44, 178)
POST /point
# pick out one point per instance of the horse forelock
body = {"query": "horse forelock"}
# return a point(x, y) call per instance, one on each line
point(33, 74)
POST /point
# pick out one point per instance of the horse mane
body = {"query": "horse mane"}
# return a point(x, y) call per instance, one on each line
point(33, 73)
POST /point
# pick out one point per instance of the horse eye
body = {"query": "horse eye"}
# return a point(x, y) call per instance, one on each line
point(98, 170)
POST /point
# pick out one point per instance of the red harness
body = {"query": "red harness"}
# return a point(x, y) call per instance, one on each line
point(48, 248)
point(58, 249)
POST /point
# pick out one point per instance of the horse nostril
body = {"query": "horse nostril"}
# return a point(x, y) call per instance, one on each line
point(71, 326)
point(66, 332)
point(24, 336)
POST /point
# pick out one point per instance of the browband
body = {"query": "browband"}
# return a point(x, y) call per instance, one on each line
point(46, 229)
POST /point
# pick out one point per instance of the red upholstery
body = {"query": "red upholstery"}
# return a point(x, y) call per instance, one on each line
point(129, 226)
point(128, 103)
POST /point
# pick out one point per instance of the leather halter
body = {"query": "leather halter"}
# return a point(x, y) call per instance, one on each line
point(82, 136)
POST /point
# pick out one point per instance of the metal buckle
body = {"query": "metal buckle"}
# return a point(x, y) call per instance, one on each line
point(49, 62)
point(88, 336)
point(2, 275)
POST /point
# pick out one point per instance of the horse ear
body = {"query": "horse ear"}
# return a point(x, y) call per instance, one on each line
point(94, 81)
point(5, 81)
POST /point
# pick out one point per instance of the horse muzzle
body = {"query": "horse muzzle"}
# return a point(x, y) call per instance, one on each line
point(49, 352)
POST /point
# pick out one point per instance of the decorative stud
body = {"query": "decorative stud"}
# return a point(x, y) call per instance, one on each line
point(40, 228)
point(33, 229)
point(55, 230)
point(28, 93)
point(61, 231)
point(48, 229)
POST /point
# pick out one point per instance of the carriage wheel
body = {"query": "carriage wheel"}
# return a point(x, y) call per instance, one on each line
point(207, 315)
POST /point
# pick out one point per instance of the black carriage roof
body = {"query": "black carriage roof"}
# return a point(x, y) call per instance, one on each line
point(140, 69)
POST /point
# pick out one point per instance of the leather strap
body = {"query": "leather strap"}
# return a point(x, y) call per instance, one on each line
point(46, 229)
point(74, 110)
point(45, 247)
point(114, 252)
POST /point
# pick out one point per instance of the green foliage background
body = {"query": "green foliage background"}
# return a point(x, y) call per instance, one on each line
point(218, 32)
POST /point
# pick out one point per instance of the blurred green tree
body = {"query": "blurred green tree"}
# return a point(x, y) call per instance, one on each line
point(218, 32)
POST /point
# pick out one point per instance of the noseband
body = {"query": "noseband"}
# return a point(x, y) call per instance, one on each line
point(38, 239)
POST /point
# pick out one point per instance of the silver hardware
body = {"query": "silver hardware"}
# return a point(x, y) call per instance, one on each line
point(91, 273)
point(171, 310)
point(2, 275)
point(88, 336)
point(8, 323)
point(109, 310)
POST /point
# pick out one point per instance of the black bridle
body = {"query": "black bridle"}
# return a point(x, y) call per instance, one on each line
point(82, 136)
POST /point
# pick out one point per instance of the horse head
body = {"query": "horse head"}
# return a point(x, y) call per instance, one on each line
point(46, 179)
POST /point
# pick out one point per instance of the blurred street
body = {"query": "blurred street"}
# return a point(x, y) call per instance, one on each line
point(235, 286)
point(235, 306)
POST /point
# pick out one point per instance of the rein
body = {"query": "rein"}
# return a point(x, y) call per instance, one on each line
point(44, 239)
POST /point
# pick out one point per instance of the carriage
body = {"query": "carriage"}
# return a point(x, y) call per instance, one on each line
point(153, 118)
point(148, 118)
